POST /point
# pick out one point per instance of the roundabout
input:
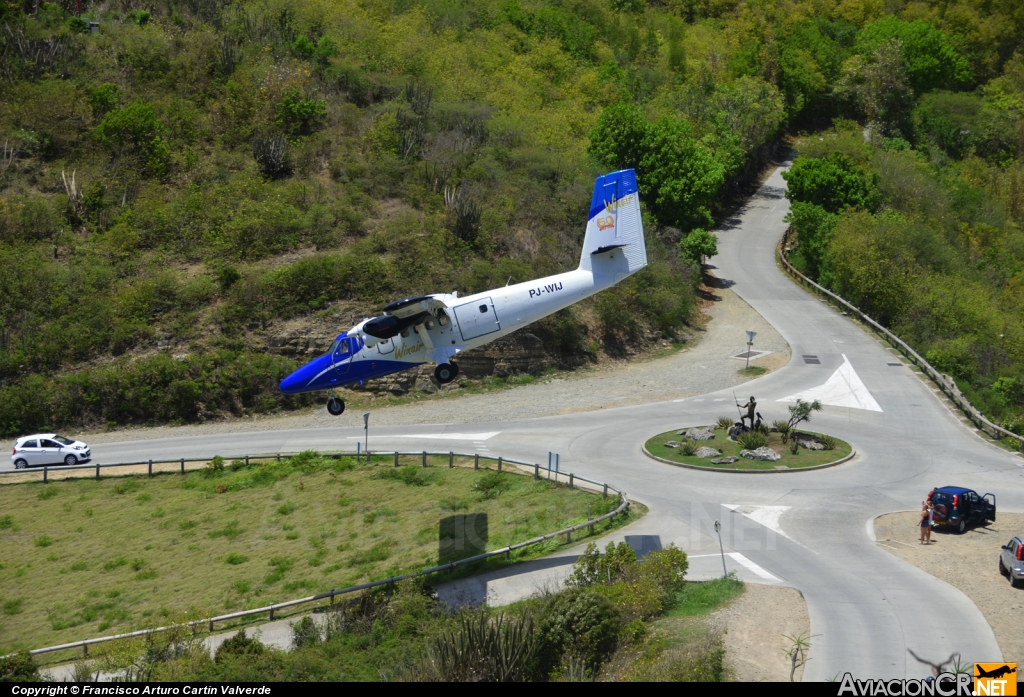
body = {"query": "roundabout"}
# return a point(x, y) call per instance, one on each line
point(812, 451)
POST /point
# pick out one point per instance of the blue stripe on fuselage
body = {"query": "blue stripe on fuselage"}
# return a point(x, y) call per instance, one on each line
point(320, 374)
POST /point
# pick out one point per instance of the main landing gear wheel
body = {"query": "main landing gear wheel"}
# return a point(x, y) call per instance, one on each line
point(446, 372)
point(335, 406)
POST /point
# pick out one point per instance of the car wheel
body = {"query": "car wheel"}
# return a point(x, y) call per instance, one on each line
point(1016, 583)
point(70, 460)
point(20, 464)
point(962, 528)
point(1002, 569)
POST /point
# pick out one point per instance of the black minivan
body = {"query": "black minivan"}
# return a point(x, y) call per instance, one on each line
point(956, 507)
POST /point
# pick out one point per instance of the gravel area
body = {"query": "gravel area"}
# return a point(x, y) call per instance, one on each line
point(753, 654)
point(970, 563)
point(703, 366)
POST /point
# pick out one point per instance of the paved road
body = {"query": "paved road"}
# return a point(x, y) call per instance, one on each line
point(811, 530)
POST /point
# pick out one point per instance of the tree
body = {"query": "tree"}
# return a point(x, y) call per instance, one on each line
point(699, 245)
point(931, 59)
point(680, 177)
point(833, 183)
point(814, 228)
point(886, 90)
point(617, 140)
point(801, 412)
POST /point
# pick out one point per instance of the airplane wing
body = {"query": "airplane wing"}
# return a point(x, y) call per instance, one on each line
point(409, 307)
point(399, 316)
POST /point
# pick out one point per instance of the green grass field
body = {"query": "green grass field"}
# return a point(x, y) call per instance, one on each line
point(804, 458)
point(82, 558)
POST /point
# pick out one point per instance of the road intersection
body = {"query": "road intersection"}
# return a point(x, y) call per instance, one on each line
point(811, 530)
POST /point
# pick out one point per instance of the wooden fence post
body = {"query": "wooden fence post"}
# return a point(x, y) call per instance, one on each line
point(451, 459)
point(150, 474)
point(424, 458)
point(396, 467)
point(476, 461)
point(183, 465)
point(499, 463)
point(536, 472)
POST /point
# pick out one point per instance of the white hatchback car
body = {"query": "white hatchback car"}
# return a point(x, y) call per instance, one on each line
point(49, 449)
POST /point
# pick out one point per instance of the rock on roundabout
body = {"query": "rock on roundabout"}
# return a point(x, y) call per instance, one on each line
point(812, 529)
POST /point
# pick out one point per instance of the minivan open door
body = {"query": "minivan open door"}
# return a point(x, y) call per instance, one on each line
point(990, 506)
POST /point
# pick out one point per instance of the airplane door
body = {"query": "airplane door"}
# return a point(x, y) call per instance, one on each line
point(342, 356)
point(386, 346)
point(477, 318)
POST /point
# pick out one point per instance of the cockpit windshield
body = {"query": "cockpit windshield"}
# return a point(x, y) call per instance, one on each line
point(335, 345)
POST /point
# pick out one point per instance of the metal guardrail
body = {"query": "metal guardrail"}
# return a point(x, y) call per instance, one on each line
point(556, 475)
point(944, 382)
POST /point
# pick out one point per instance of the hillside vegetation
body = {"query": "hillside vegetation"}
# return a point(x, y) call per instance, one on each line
point(919, 224)
point(180, 182)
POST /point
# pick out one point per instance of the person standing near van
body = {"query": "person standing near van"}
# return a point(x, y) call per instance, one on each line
point(931, 522)
point(925, 523)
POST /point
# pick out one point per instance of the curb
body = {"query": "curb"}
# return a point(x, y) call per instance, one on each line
point(853, 454)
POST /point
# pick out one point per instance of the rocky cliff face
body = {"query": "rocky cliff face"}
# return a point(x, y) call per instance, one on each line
point(519, 352)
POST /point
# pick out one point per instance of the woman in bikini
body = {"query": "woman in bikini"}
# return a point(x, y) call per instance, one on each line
point(924, 523)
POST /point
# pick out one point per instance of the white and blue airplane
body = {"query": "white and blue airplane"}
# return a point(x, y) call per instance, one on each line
point(436, 328)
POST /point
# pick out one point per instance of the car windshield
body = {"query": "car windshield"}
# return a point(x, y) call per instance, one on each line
point(62, 440)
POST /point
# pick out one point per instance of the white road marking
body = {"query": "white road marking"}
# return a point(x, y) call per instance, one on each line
point(720, 400)
point(678, 400)
point(767, 516)
point(744, 562)
point(759, 570)
point(843, 389)
point(441, 436)
point(698, 400)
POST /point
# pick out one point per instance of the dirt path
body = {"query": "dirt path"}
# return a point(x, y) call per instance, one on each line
point(754, 628)
point(968, 562)
point(704, 366)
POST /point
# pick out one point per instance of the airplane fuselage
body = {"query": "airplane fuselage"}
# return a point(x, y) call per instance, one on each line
point(436, 328)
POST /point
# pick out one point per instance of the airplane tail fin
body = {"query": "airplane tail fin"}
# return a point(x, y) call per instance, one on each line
point(614, 224)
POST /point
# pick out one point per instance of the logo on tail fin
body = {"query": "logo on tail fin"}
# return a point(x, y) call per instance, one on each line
point(605, 223)
point(618, 202)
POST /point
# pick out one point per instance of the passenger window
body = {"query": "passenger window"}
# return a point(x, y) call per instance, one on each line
point(483, 309)
point(49, 444)
point(30, 444)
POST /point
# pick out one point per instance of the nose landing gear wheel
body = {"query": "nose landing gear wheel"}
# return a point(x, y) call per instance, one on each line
point(335, 406)
point(446, 372)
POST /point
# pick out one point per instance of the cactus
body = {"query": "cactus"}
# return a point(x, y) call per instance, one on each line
point(483, 649)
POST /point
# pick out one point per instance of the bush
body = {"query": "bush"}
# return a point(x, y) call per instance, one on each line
point(305, 633)
point(752, 440)
point(239, 645)
point(492, 484)
point(18, 667)
point(136, 132)
point(413, 476)
point(687, 449)
point(828, 441)
point(579, 622)
point(299, 117)
point(725, 422)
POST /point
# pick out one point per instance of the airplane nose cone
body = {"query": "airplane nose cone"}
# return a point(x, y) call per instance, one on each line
point(309, 377)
